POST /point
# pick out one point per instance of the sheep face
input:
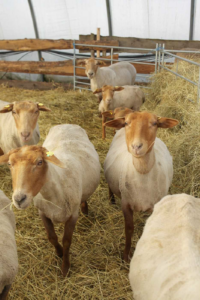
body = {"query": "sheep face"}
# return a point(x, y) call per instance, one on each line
point(91, 66)
point(28, 166)
point(25, 114)
point(107, 96)
point(140, 130)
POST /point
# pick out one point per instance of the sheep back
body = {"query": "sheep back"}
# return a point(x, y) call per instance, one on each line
point(165, 264)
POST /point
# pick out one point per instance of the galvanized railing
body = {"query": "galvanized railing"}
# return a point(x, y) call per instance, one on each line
point(162, 65)
point(159, 62)
point(111, 60)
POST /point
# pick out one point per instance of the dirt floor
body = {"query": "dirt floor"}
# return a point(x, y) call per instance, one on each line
point(97, 271)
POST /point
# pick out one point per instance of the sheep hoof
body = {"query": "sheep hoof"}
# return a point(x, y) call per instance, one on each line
point(126, 258)
point(59, 251)
point(84, 208)
point(65, 270)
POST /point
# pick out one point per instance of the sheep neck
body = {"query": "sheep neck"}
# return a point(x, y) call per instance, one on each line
point(97, 82)
point(53, 184)
point(145, 163)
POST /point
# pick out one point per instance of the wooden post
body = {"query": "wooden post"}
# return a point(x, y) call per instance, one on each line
point(92, 38)
point(98, 39)
point(103, 127)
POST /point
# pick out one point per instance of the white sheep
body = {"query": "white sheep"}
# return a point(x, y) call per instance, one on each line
point(121, 73)
point(120, 96)
point(8, 248)
point(138, 166)
point(60, 179)
point(18, 124)
point(166, 262)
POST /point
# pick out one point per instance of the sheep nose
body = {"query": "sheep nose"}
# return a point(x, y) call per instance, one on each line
point(20, 198)
point(137, 146)
point(91, 73)
point(25, 134)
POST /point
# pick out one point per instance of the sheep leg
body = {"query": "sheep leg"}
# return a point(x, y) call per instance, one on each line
point(52, 237)
point(4, 294)
point(67, 239)
point(111, 197)
point(129, 228)
point(1, 152)
point(84, 208)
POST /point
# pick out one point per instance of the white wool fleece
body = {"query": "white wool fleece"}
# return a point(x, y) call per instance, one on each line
point(140, 191)
point(66, 188)
point(166, 262)
point(8, 248)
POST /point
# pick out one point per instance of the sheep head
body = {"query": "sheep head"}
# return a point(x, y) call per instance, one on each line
point(91, 66)
point(28, 166)
point(25, 114)
point(140, 130)
point(107, 95)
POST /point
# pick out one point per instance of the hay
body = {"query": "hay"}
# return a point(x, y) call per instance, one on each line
point(97, 271)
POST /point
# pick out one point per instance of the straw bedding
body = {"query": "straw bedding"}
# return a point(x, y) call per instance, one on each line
point(97, 271)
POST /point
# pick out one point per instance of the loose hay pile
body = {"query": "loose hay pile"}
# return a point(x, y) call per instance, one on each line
point(97, 271)
point(176, 98)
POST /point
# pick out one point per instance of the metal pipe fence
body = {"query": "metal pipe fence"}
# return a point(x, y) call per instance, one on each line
point(162, 65)
point(159, 63)
point(148, 61)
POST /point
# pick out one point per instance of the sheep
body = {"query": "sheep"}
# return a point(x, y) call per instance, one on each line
point(58, 180)
point(120, 96)
point(18, 124)
point(166, 262)
point(122, 73)
point(117, 113)
point(138, 167)
point(8, 248)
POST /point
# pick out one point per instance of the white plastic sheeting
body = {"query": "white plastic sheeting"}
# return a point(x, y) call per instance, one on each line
point(166, 19)
point(66, 19)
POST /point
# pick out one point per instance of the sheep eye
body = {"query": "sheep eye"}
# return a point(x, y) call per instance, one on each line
point(14, 112)
point(125, 123)
point(155, 124)
point(36, 111)
point(39, 163)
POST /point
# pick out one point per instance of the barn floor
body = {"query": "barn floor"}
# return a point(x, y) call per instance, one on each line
point(97, 271)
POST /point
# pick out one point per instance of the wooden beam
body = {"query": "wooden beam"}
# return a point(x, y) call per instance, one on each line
point(37, 44)
point(146, 43)
point(57, 68)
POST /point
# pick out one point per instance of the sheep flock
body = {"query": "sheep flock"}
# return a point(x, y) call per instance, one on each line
point(97, 270)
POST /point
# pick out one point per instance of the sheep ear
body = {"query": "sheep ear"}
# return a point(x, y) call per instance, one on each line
point(108, 114)
point(97, 91)
point(50, 157)
point(117, 123)
point(118, 88)
point(166, 122)
point(4, 158)
point(100, 63)
point(81, 62)
point(42, 107)
point(7, 108)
